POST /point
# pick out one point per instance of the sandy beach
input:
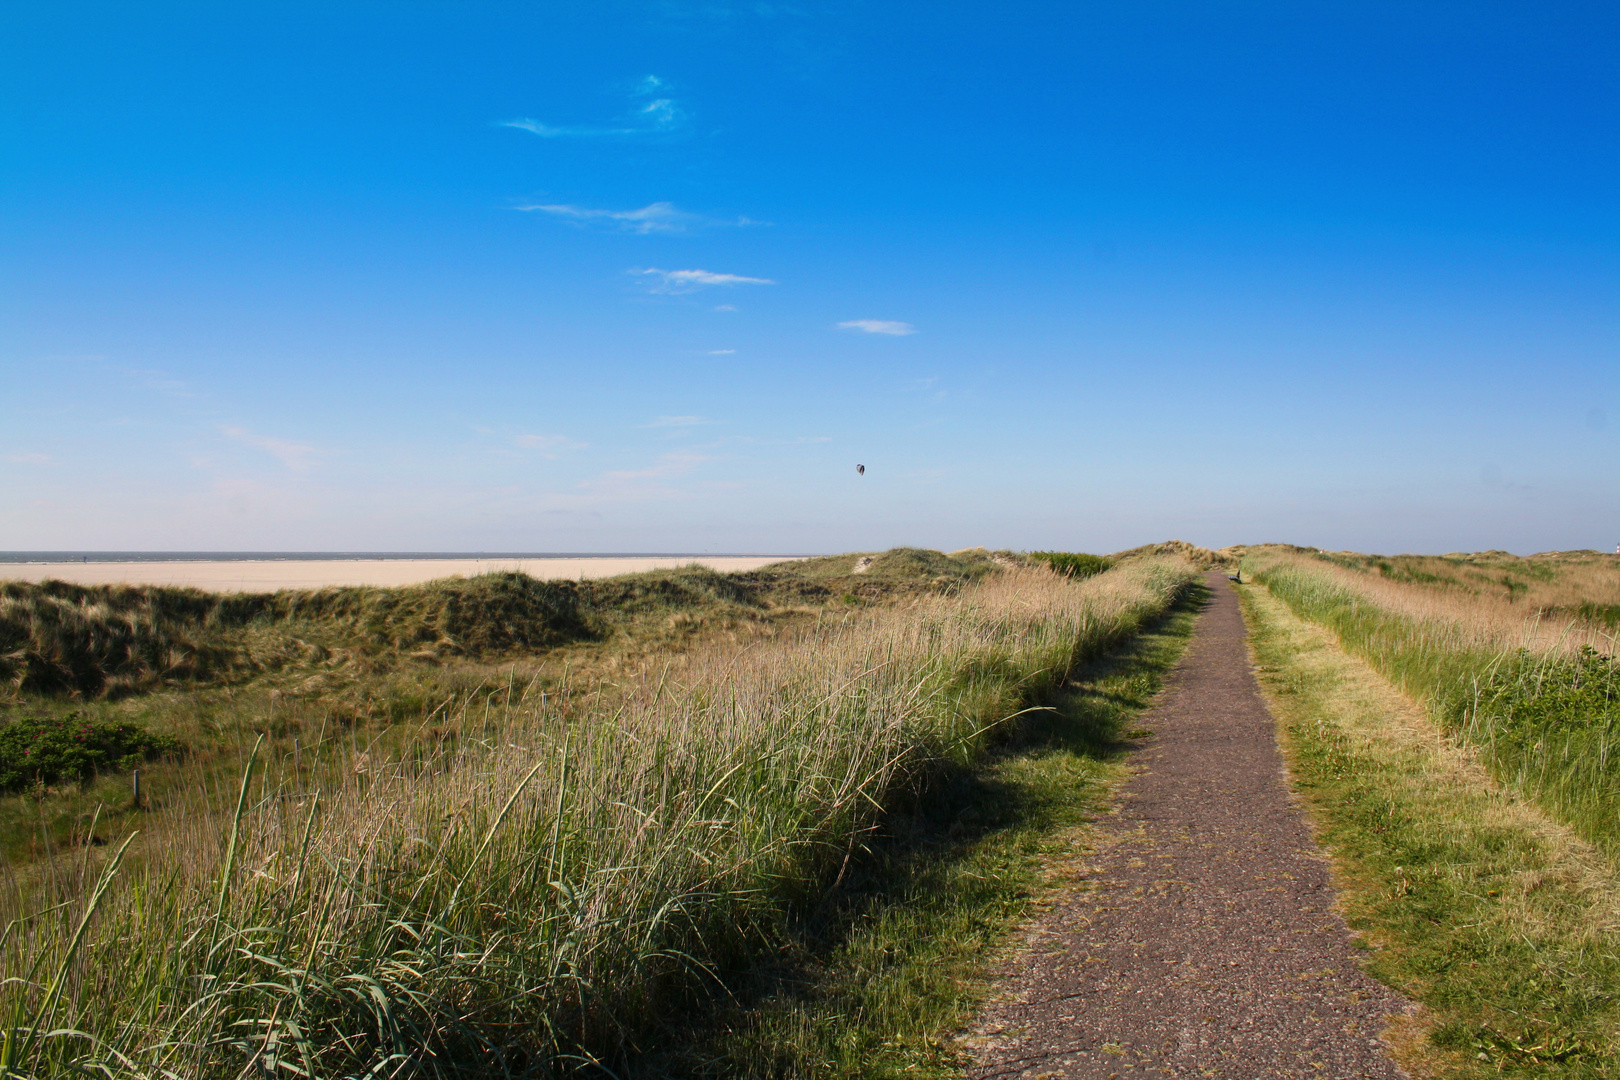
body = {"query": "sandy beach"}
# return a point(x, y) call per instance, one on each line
point(271, 574)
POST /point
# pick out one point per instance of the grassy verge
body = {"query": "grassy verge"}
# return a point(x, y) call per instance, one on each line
point(1546, 720)
point(1501, 922)
point(1554, 584)
point(559, 879)
point(876, 977)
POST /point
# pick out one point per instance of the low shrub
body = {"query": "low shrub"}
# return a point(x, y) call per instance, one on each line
point(1072, 563)
point(51, 751)
point(1606, 614)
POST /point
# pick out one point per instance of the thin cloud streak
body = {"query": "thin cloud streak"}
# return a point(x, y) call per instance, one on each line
point(298, 457)
point(656, 115)
point(889, 327)
point(550, 131)
point(658, 217)
point(621, 484)
point(687, 281)
point(548, 445)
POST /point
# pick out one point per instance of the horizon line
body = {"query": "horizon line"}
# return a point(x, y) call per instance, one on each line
point(338, 556)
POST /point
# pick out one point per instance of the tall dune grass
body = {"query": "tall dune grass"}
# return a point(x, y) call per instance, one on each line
point(88, 641)
point(1559, 588)
point(1539, 699)
point(556, 890)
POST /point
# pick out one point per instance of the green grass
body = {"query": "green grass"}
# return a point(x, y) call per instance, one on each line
point(1578, 584)
point(1546, 725)
point(876, 976)
point(572, 867)
point(1607, 615)
point(1497, 920)
point(108, 641)
point(1073, 564)
point(318, 673)
point(92, 641)
point(35, 752)
point(97, 643)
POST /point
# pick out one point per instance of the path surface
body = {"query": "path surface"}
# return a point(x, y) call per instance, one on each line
point(1202, 941)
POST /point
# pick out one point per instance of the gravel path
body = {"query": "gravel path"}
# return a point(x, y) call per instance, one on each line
point(1202, 940)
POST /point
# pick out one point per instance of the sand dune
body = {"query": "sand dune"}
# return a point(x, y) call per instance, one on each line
point(271, 574)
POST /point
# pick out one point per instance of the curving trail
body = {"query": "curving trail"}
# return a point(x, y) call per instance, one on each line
point(1202, 940)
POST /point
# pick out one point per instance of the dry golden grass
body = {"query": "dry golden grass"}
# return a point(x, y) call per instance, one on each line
point(1537, 691)
point(1500, 919)
point(1464, 602)
point(313, 669)
point(556, 877)
point(1381, 724)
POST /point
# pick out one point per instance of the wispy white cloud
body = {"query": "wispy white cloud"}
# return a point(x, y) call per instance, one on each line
point(686, 281)
point(879, 326)
point(548, 445)
point(296, 456)
point(721, 352)
point(679, 421)
point(646, 483)
point(556, 131)
point(660, 113)
point(677, 463)
point(652, 112)
point(725, 307)
point(658, 217)
point(658, 110)
point(28, 459)
point(150, 379)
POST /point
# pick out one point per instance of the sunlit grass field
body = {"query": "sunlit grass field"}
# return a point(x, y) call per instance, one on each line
point(545, 869)
point(1451, 722)
point(328, 674)
point(1505, 652)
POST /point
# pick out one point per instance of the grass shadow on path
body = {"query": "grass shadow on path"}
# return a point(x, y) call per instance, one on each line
point(881, 970)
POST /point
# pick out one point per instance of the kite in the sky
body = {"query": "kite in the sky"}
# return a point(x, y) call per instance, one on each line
point(861, 469)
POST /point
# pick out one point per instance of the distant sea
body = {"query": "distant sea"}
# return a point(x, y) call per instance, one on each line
point(332, 556)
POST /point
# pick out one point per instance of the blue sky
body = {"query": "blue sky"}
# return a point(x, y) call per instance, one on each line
point(657, 276)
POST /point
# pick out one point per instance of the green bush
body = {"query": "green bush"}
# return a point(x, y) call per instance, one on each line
point(49, 751)
point(1073, 564)
point(1607, 614)
point(1535, 697)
